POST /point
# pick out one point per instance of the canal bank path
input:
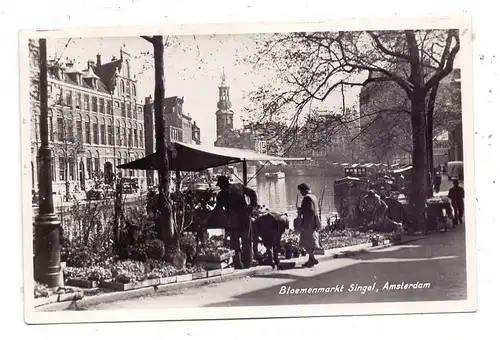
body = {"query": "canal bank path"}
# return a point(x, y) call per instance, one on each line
point(430, 269)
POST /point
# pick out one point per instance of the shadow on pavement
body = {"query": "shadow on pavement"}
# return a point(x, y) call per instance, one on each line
point(438, 261)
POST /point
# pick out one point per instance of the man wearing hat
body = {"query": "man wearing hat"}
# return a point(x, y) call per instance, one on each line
point(232, 198)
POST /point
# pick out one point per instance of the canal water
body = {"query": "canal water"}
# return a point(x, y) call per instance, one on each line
point(280, 195)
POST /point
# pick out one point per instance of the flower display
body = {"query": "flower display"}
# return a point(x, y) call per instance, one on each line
point(41, 290)
point(214, 247)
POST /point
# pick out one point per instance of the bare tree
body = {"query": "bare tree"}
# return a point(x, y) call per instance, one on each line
point(66, 146)
point(313, 65)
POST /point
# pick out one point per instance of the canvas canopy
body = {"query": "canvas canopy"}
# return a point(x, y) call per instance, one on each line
point(398, 171)
point(190, 157)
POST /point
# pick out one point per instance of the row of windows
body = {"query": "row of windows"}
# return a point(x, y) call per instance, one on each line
point(96, 133)
point(101, 105)
point(92, 167)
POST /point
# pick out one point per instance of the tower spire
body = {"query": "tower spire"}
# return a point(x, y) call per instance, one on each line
point(223, 77)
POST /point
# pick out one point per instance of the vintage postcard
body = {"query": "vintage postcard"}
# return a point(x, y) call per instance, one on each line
point(248, 171)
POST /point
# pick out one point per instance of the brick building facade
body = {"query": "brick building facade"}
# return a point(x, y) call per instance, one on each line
point(95, 121)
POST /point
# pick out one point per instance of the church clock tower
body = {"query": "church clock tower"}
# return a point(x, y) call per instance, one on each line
point(224, 113)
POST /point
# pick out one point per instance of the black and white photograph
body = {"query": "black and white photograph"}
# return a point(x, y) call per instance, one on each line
point(248, 171)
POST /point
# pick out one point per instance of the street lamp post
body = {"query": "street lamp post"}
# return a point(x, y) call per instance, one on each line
point(47, 264)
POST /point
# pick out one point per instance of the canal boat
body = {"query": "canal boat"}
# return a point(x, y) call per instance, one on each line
point(348, 192)
point(275, 175)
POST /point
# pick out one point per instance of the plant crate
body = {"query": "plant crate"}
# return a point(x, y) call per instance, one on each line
point(129, 286)
point(184, 277)
point(69, 296)
point(214, 272)
point(227, 271)
point(200, 275)
point(167, 280)
point(216, 258)
point(82, 283)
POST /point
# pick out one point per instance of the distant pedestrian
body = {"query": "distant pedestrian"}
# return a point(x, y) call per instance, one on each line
point(437, 181)
point(309, 212)
point(457, 195)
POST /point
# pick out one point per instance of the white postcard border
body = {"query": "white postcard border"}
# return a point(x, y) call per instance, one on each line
point(466, 57)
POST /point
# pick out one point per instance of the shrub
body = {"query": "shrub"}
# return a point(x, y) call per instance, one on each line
point(155, 249)
point(188, 246)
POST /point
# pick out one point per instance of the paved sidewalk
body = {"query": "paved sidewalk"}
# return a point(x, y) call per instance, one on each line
point(438, 260)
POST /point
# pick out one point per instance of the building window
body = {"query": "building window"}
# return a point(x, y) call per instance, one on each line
point(78, 100)
point(79, 131)
point(71, 165)
point(60, 129)
point(124, 114)
point(69, 98)
point(101, 105)
point(129, 110)
point(87, 133)
point(141, 139)
point(96, 133)
point(119, 161)
point(110, 135)
point(139, 109)
point(89, 167)
point(128, 88)
point(122, 86)
point(96, 166)
point(51, 129)
point(86, 101)
point(134, 93)
point(136, 143)
point(94, 104)
point(130, 140)
point(134, 112)
point(53, 168)
point(69, 131)
point(103, 134)
point(62, 166)
point(108, 107)
point(124, 137)
point(118, 141)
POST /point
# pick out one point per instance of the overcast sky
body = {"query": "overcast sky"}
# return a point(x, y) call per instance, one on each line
point(193, 67)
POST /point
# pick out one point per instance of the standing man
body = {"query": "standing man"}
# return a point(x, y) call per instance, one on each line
point(457, 195)
point(309, 212)
point(232, 198)
point(437, 181)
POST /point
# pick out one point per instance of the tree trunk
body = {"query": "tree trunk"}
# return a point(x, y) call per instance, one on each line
point(420, 170)
point(164, 224)
point(430, 135)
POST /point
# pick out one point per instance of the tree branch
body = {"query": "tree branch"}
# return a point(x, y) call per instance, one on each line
point(148, 39)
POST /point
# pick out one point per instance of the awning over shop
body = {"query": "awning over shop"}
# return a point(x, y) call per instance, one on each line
point(191, 157)
point(398, 171)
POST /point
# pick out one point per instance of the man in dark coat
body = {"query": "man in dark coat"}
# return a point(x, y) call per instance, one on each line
point(232, 197)
point(456, 195)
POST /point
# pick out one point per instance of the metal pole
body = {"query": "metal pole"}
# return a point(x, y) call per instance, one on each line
point(245, 173)
point(47, 262)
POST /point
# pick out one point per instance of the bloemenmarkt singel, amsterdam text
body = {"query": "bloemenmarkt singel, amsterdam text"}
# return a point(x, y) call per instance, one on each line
point(363, 289)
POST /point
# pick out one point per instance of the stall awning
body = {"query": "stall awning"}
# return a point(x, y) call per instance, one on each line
point(190, 157)
point(398, 171)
